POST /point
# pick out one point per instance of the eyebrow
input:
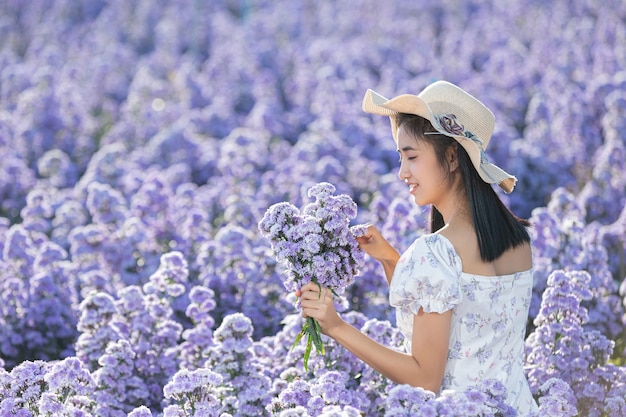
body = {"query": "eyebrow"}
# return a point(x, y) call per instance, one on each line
point(406, 148)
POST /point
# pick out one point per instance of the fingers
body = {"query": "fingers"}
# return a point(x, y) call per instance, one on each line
point(317, 303)
point(369, 234)
point(310, 286)
point(371, 230)
point(363, 239)
point(312, 291)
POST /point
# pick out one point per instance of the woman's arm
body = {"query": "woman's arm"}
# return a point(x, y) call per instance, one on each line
point(424, 367)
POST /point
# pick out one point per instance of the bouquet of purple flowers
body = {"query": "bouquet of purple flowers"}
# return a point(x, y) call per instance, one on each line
point(315, 244)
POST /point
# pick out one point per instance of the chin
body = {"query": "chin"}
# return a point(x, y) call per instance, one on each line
point(420, 201)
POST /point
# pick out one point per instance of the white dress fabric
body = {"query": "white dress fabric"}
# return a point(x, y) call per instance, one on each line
point(488, 319)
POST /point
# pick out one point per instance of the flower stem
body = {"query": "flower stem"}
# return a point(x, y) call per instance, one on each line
point(313, 331)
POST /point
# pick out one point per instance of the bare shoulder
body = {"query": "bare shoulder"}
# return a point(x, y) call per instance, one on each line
point(465, 245)
point(516, 259)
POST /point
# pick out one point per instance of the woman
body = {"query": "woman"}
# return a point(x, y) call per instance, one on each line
point(461, 293)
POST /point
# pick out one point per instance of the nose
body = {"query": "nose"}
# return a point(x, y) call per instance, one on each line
point(403, 172)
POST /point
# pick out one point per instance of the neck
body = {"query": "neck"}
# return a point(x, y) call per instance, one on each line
point(455, 210)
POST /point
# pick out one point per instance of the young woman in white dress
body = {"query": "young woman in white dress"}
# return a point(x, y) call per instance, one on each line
point(461, 293)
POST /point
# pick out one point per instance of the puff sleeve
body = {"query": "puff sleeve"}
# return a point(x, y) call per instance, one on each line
point(427, 276)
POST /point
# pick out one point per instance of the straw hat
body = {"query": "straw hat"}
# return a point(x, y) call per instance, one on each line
point(452, 112)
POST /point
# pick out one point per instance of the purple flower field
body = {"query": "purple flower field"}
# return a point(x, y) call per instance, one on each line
point(141, 143)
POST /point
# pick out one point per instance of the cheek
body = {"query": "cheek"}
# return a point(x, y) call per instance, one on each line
point(426, 170)
point(422, 165)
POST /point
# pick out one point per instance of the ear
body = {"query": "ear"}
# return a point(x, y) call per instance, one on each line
point(452, 157)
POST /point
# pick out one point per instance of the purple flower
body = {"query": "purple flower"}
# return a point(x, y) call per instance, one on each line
point(297, 393)
point(297, 411)
point(316, 245)
point(117, 386)
point(105, 204)
point(321, 191)
point(27, 381)
point(170, 277)
point(234, 359)
point(235, 326)
point(401, 395)
point(141, 411)
point(19, 249)
point(200, 337)
point(50, 404)
point(69, 376)
point(557, 399)
point(277, 218)
point(57, 167)
point(70, 389)
point(192, 385)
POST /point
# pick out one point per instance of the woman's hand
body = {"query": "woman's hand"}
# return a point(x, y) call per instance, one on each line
point(376, 246)
point(318, 304)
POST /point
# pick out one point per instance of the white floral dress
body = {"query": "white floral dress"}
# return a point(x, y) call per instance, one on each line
point(488, 320)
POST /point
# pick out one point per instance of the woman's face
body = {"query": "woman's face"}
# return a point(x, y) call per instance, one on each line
point(420, 169)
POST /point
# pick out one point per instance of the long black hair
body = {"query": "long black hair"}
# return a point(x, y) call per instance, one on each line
point(497, 228)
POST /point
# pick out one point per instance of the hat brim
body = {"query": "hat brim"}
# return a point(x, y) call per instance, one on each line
point(375, 103)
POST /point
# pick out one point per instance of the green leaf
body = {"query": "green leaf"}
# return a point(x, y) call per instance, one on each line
point(311, 328)
point(317, 337)
point(298, 338)
point(307, 353)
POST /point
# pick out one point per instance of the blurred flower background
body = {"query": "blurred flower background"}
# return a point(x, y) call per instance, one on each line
point(142, 141)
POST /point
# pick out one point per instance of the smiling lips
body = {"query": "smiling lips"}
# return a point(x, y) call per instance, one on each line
point(412, 188)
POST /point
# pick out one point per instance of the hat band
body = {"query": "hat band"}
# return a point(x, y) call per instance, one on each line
point(447, 124)
point(474, 138)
